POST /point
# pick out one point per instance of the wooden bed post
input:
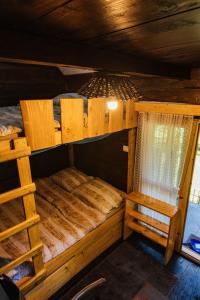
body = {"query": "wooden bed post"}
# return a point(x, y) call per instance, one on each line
point(71, 154)
point(131, 161)
point(131, 158)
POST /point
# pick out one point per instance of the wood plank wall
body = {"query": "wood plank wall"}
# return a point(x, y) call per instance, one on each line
point(105, 159)
point(43, 164)
point(19, 81)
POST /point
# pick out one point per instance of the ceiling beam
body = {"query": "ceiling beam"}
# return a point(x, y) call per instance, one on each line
point(26, 48)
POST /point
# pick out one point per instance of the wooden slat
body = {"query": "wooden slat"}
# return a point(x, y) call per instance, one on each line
point(168, 108)
point(19, 227)
point(116, 118)
point(14, 154)
point(148, 233)
point(150, 221)
point(8, 137)
point(171, 238)
point(96, 117)
point(4, 145)
point(72, 120)
point(33, 252)
point(131, 114)
point(38, 119)
point(131, 158)
point(29, 203)
point(19, 192)
point(185, 184)
point(154, 204)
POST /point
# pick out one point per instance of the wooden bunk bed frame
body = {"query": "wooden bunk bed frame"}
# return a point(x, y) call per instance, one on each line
point(38, 120)
point(40, 133)
point(50, 276)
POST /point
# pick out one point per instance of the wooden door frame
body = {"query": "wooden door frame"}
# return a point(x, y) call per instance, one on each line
point(185, 185)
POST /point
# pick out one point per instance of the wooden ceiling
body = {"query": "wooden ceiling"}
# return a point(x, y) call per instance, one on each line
point(165, 30)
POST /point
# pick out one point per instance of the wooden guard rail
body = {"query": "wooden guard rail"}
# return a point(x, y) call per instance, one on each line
point(39, 126)
point(26, 191)
point(133, 219)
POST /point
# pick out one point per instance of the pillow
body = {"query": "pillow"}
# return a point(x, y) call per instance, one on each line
point(56, 100)
point(99, 194)
point(70, 178)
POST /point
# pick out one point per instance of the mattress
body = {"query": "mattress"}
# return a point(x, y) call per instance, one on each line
point(11, 119)
point(65, 218)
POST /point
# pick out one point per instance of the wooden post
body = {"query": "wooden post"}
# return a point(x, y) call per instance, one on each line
point(29, 205)
point(71, 154)
point(131, 158)
point(186, 183)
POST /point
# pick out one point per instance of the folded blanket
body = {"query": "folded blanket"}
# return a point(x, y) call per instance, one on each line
point(70, 178)
point(57, 233)
point(72, 208)
point(99, 194)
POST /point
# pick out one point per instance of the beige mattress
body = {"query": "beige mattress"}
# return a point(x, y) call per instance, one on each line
point(65, 217)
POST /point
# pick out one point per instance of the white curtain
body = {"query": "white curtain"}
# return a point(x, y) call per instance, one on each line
point(162, 143)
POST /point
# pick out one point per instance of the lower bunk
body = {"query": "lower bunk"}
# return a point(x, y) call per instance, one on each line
point(81, 216)
point(61, 269)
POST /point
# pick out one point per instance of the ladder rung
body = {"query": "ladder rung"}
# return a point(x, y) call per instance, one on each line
point(34, 251)
point(14, 154)
point(162, 207)
point(150, 221)
point(19, 227)
point(25, 286)
point(18, 192)
point(148, 233)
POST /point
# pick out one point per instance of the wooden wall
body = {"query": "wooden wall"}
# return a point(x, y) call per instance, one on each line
point(19, 81)
point(105, 159)
point(43, 164)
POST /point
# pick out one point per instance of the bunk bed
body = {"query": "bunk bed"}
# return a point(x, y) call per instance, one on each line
point(90, 223)
point(47, 123)
point(70, 220)
point(81, 243)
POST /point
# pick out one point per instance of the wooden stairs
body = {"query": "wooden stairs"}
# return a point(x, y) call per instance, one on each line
point(133, 218)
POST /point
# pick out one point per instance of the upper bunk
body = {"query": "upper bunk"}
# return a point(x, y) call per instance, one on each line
point(47, 123)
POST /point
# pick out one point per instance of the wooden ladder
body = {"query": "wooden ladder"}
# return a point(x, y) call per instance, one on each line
point(133, 219)
point(19, 150)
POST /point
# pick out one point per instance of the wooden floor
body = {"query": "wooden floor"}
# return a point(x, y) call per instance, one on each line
point(178, 281)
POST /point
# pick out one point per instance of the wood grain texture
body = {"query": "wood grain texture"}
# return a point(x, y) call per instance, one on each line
point(20, 81)
point(38, 120)
point(105, 159)
point(70, 262)
point(150, 221)
point(33, 49)
point(170, 108)
point(116, 118)
point(25, 177)
point(154, 204)
point(72, 120)
point(16, 193)
point(96, 117)
point(148, 233)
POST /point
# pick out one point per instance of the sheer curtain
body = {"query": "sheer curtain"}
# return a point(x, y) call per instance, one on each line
point(162, 142)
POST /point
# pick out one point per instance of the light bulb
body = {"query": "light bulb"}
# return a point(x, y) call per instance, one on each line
point(112, 105)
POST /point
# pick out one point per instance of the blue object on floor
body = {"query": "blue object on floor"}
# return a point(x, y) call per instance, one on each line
point(195, 245)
